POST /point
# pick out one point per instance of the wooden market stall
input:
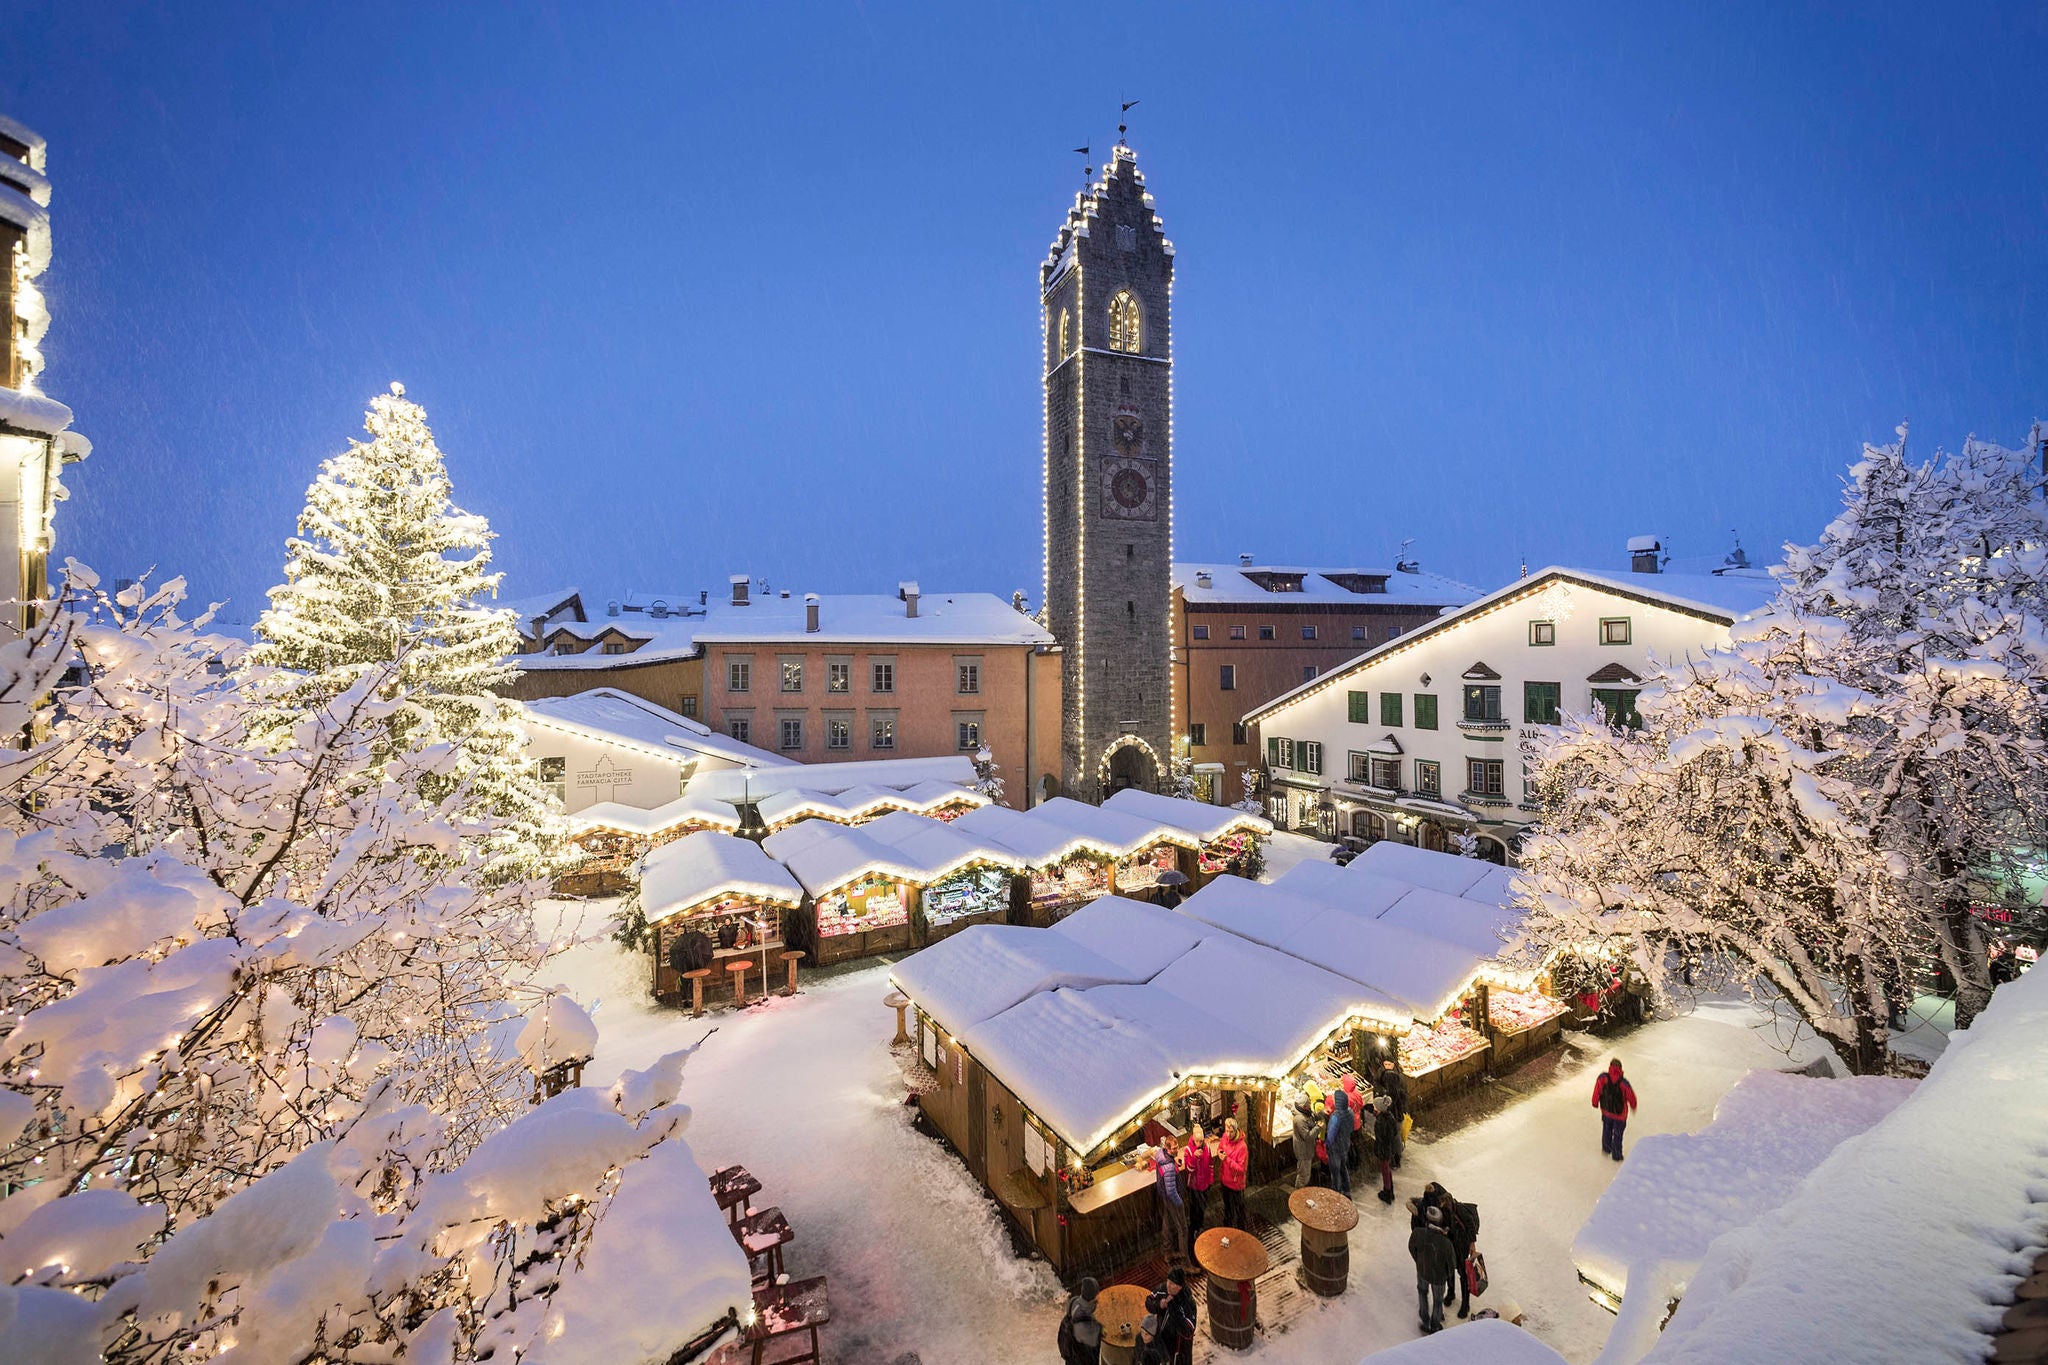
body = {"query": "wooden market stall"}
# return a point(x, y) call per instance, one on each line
point(611, 837)
point(858, 805)
point(1520, 1024)
point(710, 898)
point(1140, 849)
point(1064, 869)
point(1228, 839)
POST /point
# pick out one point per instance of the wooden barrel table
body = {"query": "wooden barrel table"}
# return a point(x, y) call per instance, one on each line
point(1120, 1309)
point(1326, 1219)
point(1232, 1259)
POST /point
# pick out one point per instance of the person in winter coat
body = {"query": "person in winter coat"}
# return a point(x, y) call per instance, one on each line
point(1461, 1225)
point(1306, 1134)
point(1080, 1331)
point(1434, 1265)
point(1236, 1164)
point(1386, 1144)
point(1198, 1173)
point(1173, 1211)
point(1337, 1137)
point(1178, 1319)
point(1394, 1086)
point(1615, 1098)
point(1356, 1097)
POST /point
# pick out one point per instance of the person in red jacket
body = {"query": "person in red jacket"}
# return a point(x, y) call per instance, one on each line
point(1235, 1160)
point(1615, 1098)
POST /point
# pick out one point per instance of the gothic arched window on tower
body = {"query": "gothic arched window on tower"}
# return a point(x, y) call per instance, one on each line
point(1065, 341)
point(1126, 333)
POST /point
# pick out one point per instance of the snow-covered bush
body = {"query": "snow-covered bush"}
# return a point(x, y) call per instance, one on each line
point(261, 1077)
point(1819, 803)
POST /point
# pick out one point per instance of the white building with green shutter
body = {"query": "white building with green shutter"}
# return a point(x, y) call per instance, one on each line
point(1430, 734)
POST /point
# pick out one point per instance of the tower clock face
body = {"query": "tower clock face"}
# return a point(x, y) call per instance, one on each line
point(1130, 489)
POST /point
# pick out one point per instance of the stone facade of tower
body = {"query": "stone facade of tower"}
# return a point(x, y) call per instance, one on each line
point(1107, 293)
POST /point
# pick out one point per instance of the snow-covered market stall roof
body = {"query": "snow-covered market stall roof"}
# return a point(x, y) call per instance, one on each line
point(831, 779)
point(860, 803)
point(1119, 831)
point(616, 817)
point(1040, 843)
point(901, 846)
point(708, 866)
point(1908, 1241)
point(620, 718)
point(1198, 819)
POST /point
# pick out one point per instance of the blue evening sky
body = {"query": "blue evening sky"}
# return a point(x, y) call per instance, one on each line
point(695, 289)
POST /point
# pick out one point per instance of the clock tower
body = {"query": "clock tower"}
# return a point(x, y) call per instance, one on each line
point(1106, 290)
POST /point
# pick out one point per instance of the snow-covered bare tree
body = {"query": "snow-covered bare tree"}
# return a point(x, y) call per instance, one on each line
point(1819, 803)
point(388, 577)
point(988, 774)
point(264, 1076)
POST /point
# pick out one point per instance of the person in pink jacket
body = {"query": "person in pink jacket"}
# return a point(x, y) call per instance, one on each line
point(1199, 1171)
point(1235, 1160)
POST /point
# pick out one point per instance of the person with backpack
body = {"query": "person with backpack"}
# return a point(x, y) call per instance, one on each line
point(1080, 1338)
point(1386, 1144)
point(1615, 1098)
point(1431, 1251)
point(1461, 1225)
point(1337, 1137)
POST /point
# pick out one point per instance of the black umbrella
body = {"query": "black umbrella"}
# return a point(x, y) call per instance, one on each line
point(1174, 877)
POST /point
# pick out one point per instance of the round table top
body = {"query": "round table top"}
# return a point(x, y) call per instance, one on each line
point(1120, 1309)
point(739, 964)
point(790, 954)
point(695, 972)
point(1244, 1259)
point(1321, 1209)
point(895, 1000)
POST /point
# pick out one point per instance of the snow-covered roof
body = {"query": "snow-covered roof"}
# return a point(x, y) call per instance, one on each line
point(1482, 926)
point(1252, 910)
point(1241, 585)
point(1721, 598)
point(679, 876)
point(1488, 1341)
point(1679, 1191)
point(542, 606)
point(911, 848)
point(858, 803)
point(1139, 936)
point(618, 717)
point(1199, 819)
point(1443, 872)
point(26, 136)
point(1289, 1005)
point(1037, 841)
point(32, 412)
point(1907, 1242)
point(981, 971)
point(1116, 830)
point(1344, 888)
point(830, 779)
point(687, 809)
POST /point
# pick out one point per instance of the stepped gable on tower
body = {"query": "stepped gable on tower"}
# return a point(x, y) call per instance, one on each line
point(1106, 288)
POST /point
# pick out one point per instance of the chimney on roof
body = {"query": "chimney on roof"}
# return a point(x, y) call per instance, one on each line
point(1645, 554)
point(740, 584)
point(785, 594)
point(1202, 580)
point(611, 608)
point(703, 597)
point(908, 592)
point(1245, 561)
point(811, 613)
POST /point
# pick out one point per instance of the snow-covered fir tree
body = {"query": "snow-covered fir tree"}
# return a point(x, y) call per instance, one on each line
point(988, 774)
point(1819, 804)
point(388, 576)
point(268, 1045)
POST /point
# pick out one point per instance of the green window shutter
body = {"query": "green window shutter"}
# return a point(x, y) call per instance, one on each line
point(1272, 753)
point(1425, 711)
point(1390, 708)
point(1361, 711)
point(1539, 703)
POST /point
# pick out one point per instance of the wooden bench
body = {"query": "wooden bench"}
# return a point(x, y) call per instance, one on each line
point(790, 1314)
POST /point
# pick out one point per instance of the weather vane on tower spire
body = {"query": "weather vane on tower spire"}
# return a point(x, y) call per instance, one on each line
point(1122, 124)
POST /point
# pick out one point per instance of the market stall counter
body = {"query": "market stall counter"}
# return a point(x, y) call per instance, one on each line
point(1520, 1024)
point(710, 899)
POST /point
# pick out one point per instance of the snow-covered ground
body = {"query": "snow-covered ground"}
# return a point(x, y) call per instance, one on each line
point(805, 1093)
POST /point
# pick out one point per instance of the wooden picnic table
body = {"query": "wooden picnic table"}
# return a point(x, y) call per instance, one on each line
point(1120, 1309)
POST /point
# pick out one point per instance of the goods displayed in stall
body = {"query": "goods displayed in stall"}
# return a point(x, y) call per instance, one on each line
point(1230, 853)
point(1080, 878)
point(1512, 1011)
point(865, 905)
point(1449, 1041)
point(984, 891)
point(1142, 870)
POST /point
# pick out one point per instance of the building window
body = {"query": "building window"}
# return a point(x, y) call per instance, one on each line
point(1237, 632)
point(839, 677)
point(882, 732)
point(739, 675)
point(555, 772)
point(1265, 632)
point(1226, 678)
point(792, 736)
point(1308, 632)
point(1539, 703)
point(1358, 707)
point(884, 676)
point(740, 728)
point(1614, 630)
point(1308, 756)
point(969, 677)
point(1386, 773)
point(969, 735)
point(1240, 733)
point(1126, 330)
point(565, 647)
point(1358, 768)
point(1198, 736)
point(792, 675)
point(1425, 710)
point(1066, 330)
point(1358, 632)
point(1543, 632)
point(838, 732)
point(1390, 708)
point(1308, 672)
point(1483, 776)
point(1429, 778)
point(689, 706)
point(1619, 704)
point(1482, 701)
point(615, 646)
point(1201, 632)
point(1279, 753)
